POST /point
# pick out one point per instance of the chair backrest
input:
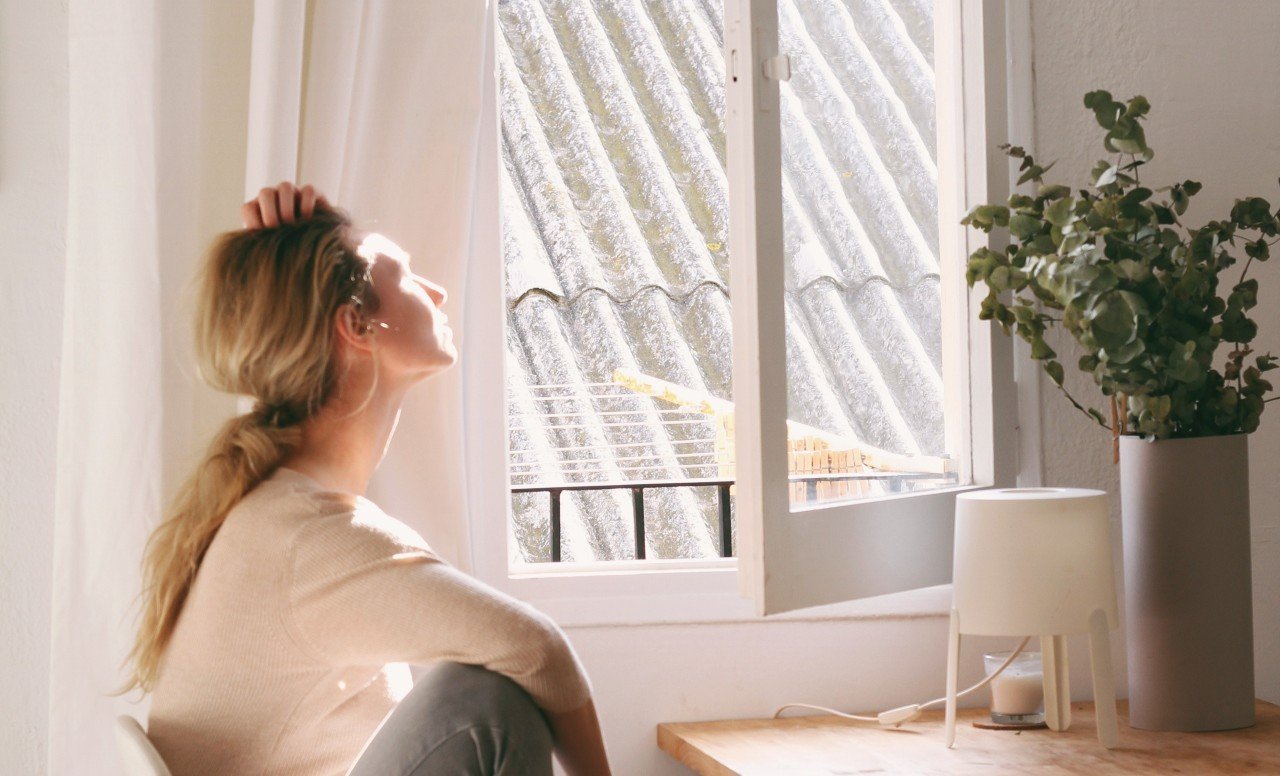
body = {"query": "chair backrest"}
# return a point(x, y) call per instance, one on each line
point(139, 756)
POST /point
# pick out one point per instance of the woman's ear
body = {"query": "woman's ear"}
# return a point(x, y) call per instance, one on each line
point(353, 329)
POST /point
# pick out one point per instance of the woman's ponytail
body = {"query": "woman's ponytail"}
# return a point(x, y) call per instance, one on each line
point(263, 328)
point(243, 453)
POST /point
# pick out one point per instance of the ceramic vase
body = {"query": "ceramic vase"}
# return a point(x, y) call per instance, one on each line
point(1188, 582)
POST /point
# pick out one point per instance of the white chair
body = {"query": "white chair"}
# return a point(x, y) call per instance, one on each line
point(139, 756)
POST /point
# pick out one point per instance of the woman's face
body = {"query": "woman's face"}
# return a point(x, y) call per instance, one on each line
point(411, 332)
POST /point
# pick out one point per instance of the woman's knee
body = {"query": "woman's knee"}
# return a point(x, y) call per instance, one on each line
point(464, 719)
point(478, 693)
point(467, 695)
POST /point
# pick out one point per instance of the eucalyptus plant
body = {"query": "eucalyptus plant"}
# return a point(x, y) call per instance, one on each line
point(1147, 297)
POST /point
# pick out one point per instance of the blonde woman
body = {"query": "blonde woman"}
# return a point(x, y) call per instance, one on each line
point(281, 607)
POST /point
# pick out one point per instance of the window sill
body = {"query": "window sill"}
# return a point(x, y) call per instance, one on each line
point(688, 593)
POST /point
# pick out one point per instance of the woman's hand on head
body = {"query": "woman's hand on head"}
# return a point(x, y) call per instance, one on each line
point(283, 204)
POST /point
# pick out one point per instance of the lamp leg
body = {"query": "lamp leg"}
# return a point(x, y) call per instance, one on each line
point(953, 667)
point(1104, 688)
point(1057, 682)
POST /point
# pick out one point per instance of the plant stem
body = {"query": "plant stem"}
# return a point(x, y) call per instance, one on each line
point(1245, 271)
point(1081, 407)
point(1115, 430)
point(1124, 413)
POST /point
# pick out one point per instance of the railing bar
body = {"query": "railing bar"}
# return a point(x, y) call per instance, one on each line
point(584, 397)
point(798, 478)
point(555, 525)
point(637, 511)
point(560, 385)
point(617, 485)
point(726, 529)
point(622, 468)
point(640, 424)
point(698, 440)
point(620, 458)
point(599, 414)
point(671, 483)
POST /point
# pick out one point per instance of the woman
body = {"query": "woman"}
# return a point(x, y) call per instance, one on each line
point(281, 606)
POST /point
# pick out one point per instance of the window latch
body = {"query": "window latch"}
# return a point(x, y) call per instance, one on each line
point(778, 67)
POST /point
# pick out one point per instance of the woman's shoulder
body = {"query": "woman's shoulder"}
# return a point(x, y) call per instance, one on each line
point(334, 524)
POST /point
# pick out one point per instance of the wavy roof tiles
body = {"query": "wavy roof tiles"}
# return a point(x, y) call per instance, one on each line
point(615, 240)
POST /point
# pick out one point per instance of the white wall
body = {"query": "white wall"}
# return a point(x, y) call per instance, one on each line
point(1214, 119)
point(33, 204)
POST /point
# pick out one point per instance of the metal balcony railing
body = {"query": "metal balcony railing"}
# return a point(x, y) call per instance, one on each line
point(895, 482)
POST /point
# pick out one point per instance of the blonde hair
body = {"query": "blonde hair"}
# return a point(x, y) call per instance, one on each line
point(264, 328)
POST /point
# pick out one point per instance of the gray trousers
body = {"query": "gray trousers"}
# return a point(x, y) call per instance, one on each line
point(460, 719)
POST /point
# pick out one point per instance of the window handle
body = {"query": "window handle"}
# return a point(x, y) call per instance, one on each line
point(778, 67)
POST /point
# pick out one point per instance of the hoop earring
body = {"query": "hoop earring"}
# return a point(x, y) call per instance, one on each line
point(375, 322)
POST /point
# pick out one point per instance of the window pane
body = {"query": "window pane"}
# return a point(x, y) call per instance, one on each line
point(860, 214)
point(615, 228)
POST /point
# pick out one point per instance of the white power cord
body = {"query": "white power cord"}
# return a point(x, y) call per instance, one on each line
point(903, 714)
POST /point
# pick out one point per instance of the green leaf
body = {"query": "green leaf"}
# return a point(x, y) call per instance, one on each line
point(1054, 369)
point(1059, 213)
point(1040, 350)
point(1180, 200)
point(998, 280)
point(1135, 196)
point(1023, 226)
point(1105, 109)
point(1104, 174)
point(1138, 106)
point(1053, 191)
point(1248, 294)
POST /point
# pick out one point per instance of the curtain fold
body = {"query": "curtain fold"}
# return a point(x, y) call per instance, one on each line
point(388, 126)
point(275, 92)
point(108, 459)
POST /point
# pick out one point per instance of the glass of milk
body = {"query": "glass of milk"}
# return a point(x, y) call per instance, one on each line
point(1017, 694)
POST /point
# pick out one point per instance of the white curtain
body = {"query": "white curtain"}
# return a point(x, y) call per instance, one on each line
point(378, 104)
point(109, 458)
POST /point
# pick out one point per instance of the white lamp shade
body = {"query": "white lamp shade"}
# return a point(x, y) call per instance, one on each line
point(1032, 561)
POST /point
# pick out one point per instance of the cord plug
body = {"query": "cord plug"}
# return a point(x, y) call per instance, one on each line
point(897, 717)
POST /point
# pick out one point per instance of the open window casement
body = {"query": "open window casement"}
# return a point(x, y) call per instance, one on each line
point(828, 515)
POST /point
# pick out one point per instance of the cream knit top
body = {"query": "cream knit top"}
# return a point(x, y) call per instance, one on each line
point(296, 636)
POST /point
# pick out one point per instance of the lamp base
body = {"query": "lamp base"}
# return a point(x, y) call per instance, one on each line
point(988, 725)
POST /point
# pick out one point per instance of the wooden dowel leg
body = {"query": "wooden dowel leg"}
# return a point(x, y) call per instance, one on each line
point(953, 668)
point(1057, 685)
point(1104, 688)
point(1064, 681)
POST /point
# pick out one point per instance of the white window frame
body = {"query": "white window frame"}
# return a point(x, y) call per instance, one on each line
point(665, 591)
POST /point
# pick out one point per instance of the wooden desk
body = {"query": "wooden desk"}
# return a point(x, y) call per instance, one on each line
point(819, 745)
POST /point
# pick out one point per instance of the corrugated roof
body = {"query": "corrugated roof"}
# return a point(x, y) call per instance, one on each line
point(616, 230)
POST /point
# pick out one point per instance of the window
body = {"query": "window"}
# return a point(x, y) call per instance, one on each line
point(615, 214)
point(618, 179)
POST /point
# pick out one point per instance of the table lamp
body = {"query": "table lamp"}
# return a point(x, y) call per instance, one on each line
point(1037, 561)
